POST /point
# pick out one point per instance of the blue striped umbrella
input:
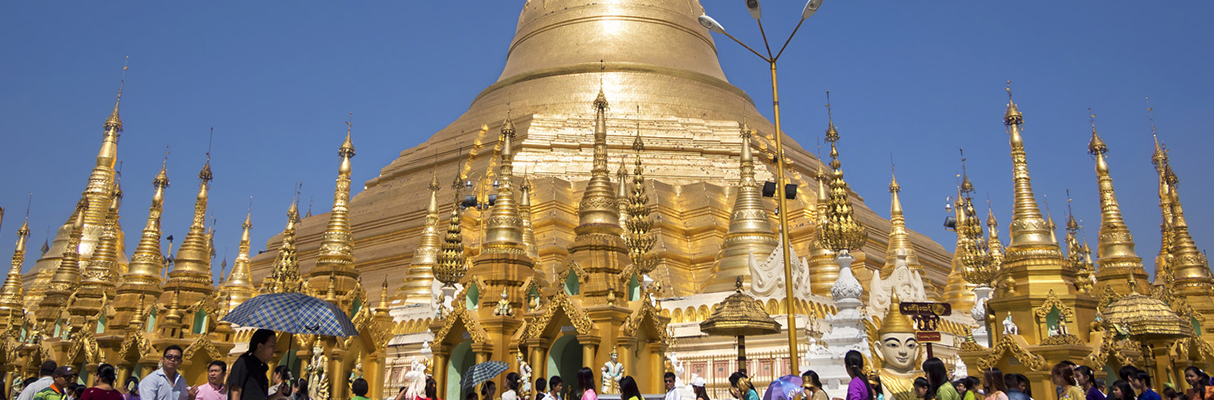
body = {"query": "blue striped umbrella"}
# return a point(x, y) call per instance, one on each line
point(482, 372)
point(292, 313)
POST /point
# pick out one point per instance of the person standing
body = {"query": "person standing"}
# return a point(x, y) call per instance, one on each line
point(214, 389)
point(104, 388)
point(1141, 381)
point(858, 388)
point(248, 379)
point(62, 377)
point(629, 389)
point(165, 383)
point(937, 378)
point(995, 386)
point(46, 379)
point(555, 385)
point(1087, 382)
point(585, 382)
point(541, 388)
point(669, 379)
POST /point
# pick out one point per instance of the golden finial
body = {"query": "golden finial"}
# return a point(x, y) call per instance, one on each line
point(967, 187)
point(1097, 147)
point(114, 123)
point(842, 232)
point(1012, 116)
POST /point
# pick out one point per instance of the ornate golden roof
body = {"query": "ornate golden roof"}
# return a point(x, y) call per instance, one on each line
point(1145, 316)
point(739, 315)
point(144, 274)
point(899, 236)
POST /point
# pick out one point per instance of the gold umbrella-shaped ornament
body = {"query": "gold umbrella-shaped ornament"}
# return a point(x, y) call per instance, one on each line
point(741, 316)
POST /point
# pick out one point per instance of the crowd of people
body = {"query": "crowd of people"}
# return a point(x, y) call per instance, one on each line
point(247, 380)
point(251, 379)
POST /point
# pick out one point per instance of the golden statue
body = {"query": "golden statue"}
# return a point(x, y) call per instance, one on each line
point(899, 353)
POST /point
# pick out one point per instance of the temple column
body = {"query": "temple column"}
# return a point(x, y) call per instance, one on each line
point(440, 368)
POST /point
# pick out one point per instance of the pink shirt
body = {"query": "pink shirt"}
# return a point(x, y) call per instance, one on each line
point(590, 395)
point(208, 392)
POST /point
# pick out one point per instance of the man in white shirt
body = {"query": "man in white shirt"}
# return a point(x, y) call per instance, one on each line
point(165, 383)
point(671, 394)
point(44, 381)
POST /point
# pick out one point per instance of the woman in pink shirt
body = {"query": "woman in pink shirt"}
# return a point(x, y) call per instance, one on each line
point(858, 388)
point(585, 379)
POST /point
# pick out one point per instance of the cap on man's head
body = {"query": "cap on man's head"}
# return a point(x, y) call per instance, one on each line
point(48, 367)
point(65, 370)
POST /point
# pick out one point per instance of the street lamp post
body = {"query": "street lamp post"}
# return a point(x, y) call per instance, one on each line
point(707, 22)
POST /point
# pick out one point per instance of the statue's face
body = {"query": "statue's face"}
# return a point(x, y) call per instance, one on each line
point(615, 357)
point(899, 350)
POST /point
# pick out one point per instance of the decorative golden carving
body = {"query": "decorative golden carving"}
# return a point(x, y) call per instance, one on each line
point(470, 323)
point(202, 343)
point(1061, 340)
point(1014, 346)
point(561, 301)
point(647, 310)
point(1051, 302)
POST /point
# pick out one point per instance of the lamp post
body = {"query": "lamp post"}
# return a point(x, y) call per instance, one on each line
point(712, 25)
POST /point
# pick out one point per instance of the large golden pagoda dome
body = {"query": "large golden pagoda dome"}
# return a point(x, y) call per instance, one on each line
point(647, 53)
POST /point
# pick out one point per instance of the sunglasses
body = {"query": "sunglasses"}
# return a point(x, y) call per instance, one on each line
point(173, 358)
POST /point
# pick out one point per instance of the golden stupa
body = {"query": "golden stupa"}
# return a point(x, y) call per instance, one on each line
point(536, 255)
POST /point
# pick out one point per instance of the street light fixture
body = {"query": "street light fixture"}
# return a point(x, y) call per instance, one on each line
point(712, 25)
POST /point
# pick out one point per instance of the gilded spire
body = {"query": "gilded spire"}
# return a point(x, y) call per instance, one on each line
point(597, 211)
point(238, 286)
point(66, 279)
point(337, 242)
point(416, 289)
point(11, 292)
point(899, 236)
point(143, 276)
point(1028, 227)
point(100, 274)
point(640, 240)
point(1190, 266)
point(821, 257)
point(750, 231)
point(1159, 158)
point(284, 277)
point(192, 267)
point(452, 262)
point(504, 230)
point(842, 231)
point(994, 245)
point(621, 193)
point(1115, 247)
point(524, 212)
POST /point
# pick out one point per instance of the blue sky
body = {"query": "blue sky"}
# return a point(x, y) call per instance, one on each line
point(277, 79)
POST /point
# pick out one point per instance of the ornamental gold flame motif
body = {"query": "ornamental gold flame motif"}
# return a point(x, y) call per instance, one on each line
point(452, 262)
point(843, 232)
point(638, 238)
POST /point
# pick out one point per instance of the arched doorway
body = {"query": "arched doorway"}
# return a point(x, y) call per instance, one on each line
point(462, 358)
point(564, 359)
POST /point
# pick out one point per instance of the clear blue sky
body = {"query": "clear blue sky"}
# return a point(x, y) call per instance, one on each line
point(276, 79)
